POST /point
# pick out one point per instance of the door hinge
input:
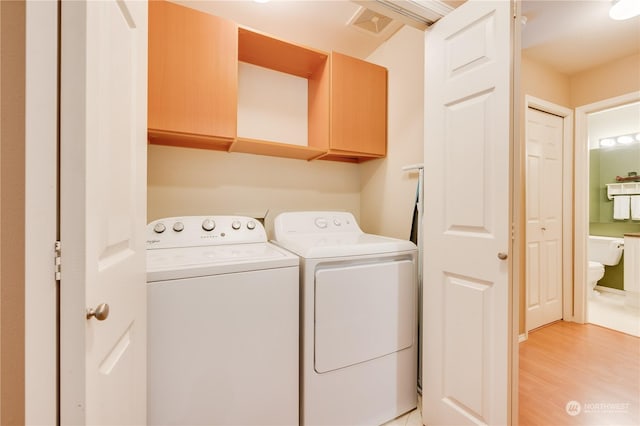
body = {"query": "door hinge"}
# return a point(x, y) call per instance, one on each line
point(58, 261)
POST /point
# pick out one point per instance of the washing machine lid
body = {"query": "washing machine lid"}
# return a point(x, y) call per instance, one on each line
point(341, 245)
point(320, 234)
point(191, 262)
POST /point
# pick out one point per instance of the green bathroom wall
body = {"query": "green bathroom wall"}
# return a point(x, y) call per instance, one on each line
point(604, 165)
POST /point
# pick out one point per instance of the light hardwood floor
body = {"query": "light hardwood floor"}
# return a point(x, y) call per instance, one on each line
point(597, 368)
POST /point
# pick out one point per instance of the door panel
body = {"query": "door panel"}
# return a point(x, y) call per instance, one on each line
point(467, 320)
point(103, 213)
point(466, 166)
point(544, 135)
point(345, 321)
point(467, 216)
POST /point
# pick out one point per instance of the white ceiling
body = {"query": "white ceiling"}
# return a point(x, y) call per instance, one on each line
point(569, 35)
point(321, 24)
point(575, 35)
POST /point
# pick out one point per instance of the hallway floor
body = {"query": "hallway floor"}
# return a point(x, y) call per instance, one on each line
point(608, 309)
point(574, 374)
point(579, 374)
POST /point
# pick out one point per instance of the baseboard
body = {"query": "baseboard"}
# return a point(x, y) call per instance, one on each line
point(522, 337)
point(610, 290)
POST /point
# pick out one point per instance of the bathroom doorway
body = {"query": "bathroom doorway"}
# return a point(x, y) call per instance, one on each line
point(548, 211)
point(602, 160)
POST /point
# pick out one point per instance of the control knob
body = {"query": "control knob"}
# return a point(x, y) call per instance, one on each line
point(159, 228)
point(208, 225)
point(236, 224)
point(321, 222)
point(251, 225)
point(178, 226)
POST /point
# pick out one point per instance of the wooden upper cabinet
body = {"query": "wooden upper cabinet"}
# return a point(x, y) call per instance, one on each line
point(358, 113)
point(193, 77)
point(193, 89)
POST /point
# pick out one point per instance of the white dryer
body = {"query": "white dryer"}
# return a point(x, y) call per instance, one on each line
point(222, 324)
point(358, 319)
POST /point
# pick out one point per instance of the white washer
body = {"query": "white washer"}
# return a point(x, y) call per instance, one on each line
point(358, 319)
point(223, 343)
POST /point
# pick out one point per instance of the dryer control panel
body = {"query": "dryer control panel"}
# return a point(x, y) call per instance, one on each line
point(194, 231)
point(314, 222)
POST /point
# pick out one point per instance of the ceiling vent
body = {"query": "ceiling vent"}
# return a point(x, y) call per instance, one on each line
point(370, 21)
point(417, 13)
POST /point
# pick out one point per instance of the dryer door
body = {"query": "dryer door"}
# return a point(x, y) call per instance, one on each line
point(363, 312)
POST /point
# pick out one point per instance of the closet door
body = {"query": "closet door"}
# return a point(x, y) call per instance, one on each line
point(544, 135)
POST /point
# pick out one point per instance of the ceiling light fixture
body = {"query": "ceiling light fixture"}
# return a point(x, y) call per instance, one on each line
point(607, 142)
point(625, 140)
point(619, 140)
point(624, 9)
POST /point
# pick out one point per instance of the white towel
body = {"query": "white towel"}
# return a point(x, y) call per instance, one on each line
point(635, 207)
point(621, 207)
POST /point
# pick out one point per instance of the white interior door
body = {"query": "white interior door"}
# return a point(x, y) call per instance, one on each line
point(103, 211)
point(544, 136)
point(466, 288)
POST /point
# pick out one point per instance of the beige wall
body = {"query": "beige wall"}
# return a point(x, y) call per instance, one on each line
point(388, 193)
point(184, 181)
point(544, 82)
point(12, 211)
point(606, 81)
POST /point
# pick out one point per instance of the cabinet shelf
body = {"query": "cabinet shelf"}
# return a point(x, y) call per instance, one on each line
point(276, 149)
point(348, 157)
point(271, 52)
point(188, 140)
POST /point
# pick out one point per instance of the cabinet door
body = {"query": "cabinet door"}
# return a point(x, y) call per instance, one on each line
point(358, 106)
point(193, 69)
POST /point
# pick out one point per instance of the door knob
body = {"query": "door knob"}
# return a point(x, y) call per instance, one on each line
point(502, 256)
point(100, 313)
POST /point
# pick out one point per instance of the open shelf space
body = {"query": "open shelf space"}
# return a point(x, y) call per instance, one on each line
point(276, 54)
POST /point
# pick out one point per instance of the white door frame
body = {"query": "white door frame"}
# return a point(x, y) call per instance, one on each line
point(41, 217)
point(567, 199)
point(582, 195)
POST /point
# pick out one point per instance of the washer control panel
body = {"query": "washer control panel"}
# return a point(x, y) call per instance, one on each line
point(317, 222)
point(194, 231)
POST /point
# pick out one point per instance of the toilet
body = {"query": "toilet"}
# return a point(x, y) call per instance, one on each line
point(602, 251)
